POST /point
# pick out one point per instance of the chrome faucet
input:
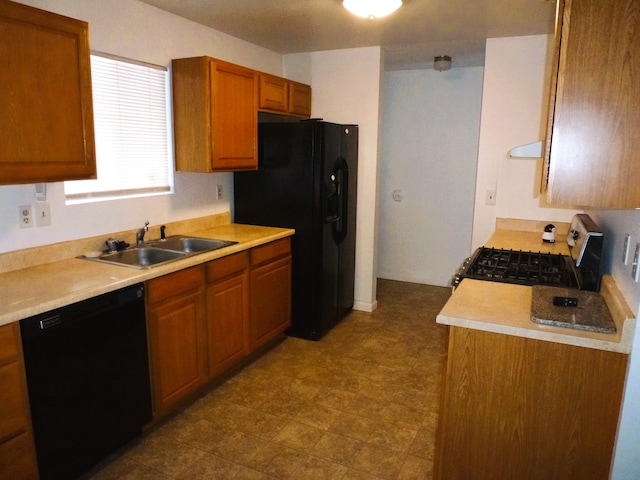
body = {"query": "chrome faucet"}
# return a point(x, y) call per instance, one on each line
point(140, 233)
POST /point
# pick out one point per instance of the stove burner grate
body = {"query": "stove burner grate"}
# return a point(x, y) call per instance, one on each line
point(521, 267)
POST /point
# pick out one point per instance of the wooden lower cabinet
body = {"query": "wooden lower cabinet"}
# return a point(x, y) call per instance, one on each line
point(17, 448)
point(176, 331)
point(227, 305)
point(270, 291)
point(205, 320)
point(518, 408)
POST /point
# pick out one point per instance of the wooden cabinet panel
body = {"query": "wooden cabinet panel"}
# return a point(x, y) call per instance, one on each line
point(215, 115)
point(17, 448)
point(270, 301)
point(594, 147)
point(183, 281)
point(279, 95)
point(204, 320)
point(227, 322)
point(17, 458)
point(528, 409)
point(270, 251)
point(15, 414)
point(272, 93)
point(299, 99)
point(177, 347)
point(46, 124)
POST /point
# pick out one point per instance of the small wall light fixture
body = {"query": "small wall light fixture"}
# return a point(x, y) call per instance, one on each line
point(372, 9)
point(442, 63)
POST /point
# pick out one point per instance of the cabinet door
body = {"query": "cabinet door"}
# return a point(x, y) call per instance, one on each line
point(595, 146)
point(227, 322)
point(176, 337)
point(215, 115)
point(270, 300)
point(299, 99)
point(227, 312)
point(515, 407)
point(46, 125)
point(272, 93)
point(234, 118)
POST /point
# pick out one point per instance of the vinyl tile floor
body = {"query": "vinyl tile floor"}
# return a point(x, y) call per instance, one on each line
point(360, 404)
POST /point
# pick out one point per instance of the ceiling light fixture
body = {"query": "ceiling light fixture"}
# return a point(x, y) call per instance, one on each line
point(441, 63)
point(372, 9)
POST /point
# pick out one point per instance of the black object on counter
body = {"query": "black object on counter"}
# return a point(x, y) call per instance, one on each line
point(565, 301)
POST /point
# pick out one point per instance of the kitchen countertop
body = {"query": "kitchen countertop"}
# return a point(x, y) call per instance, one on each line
point(36, 289)
point(506, 308)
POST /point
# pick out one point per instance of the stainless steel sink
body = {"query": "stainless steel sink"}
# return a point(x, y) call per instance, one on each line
point(159, 252)
point(141, 257)
point(181, 243)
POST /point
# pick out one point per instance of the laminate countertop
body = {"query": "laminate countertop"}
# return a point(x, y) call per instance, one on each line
point(39, 288)
point(506, 308)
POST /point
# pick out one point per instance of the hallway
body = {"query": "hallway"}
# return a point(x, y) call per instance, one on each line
point(360, 404)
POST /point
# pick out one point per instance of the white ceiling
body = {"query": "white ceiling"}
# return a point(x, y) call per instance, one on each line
point(411, 36)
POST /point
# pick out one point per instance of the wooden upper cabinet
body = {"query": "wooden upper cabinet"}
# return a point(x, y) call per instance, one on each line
point(299, 99)
point(272, 94)
point(279, 95)
point(215, 116)
point(593, 154)
point(46, 124)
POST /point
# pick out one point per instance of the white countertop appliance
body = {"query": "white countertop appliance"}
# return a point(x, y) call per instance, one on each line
point(580, 269)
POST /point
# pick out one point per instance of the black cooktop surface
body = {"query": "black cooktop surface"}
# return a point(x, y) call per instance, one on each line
point(521, 267)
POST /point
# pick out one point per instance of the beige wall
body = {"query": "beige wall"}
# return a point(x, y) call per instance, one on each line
point(514, 108)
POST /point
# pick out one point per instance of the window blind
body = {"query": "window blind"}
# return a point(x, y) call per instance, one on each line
point(131, 131)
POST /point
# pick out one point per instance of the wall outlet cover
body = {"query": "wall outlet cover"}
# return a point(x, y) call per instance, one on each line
point(25, 216)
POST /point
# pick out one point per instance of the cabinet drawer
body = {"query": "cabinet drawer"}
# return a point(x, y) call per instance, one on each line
point(9, 342)
point(270, 251)
point(173, 284)
point(223, 267)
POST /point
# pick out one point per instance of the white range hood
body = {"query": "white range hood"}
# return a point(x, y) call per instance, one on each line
point(530, 150)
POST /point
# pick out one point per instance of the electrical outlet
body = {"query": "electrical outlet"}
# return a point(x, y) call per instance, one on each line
point(219, 192)
point(42, 214)
point(635, 271)
point(490, 197)
point(625, 249)
point(25, 216)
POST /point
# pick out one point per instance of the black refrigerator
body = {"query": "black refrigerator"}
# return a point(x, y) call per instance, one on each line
point(307, 180)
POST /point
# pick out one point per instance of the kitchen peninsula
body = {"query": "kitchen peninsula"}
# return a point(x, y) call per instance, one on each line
point(523, 400)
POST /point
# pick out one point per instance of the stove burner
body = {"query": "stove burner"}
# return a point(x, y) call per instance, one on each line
point(520, 267)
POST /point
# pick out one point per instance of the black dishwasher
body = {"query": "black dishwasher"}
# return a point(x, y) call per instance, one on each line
point(88, 378)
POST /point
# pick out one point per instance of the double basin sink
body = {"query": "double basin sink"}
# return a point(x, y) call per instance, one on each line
point(159, 252)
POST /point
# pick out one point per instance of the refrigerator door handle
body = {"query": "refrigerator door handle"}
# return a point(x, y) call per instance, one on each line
point(342, 182)
point(332, 201)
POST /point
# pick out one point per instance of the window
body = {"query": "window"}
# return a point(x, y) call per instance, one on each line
point(132, 134)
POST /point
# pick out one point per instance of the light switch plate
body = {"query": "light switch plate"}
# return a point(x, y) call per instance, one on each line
point(42, 214)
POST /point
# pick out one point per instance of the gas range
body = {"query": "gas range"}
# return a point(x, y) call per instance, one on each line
point(580, 269)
